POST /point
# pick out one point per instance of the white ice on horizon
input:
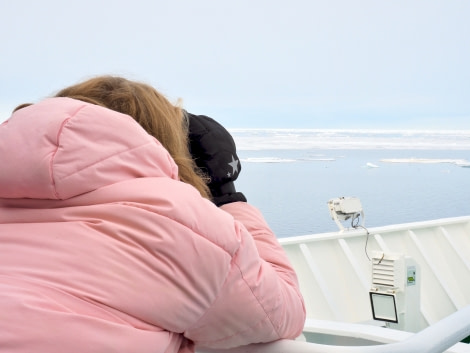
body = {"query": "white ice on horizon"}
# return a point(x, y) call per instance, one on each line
point(267, 160)
point(371, 165)
point(275, 139)
point(459, 162)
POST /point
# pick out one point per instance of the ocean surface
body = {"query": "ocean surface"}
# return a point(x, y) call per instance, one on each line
point(399, 176)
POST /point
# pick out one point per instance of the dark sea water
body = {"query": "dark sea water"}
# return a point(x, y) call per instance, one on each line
point(292, 186)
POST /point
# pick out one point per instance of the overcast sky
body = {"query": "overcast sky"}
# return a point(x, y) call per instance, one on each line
point(253, 63)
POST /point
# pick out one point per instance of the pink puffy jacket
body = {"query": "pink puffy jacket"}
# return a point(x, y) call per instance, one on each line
point(103, 249)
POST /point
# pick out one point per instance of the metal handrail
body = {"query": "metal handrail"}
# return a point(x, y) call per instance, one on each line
point(436, 338)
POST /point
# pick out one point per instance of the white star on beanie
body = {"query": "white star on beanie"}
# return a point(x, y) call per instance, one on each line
point(234, 165)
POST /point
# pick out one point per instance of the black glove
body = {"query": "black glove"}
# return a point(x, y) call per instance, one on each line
point(214, 151)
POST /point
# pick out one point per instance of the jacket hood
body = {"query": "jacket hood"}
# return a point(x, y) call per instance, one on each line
point(61, 147)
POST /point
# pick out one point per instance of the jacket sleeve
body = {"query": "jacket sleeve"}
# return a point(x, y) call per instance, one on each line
point(260, 300)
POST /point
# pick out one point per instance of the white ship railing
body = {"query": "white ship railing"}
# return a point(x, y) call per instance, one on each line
point(443, 336)
point(335, 272)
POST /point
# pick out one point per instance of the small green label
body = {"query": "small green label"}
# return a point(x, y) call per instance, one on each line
point(411, 276)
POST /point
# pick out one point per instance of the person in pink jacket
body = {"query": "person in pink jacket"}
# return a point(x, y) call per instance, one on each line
point(109, 240)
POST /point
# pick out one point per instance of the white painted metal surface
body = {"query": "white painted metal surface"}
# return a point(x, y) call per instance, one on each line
point(335, 272)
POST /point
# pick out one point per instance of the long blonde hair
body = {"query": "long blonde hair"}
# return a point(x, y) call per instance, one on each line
point(152, 111)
